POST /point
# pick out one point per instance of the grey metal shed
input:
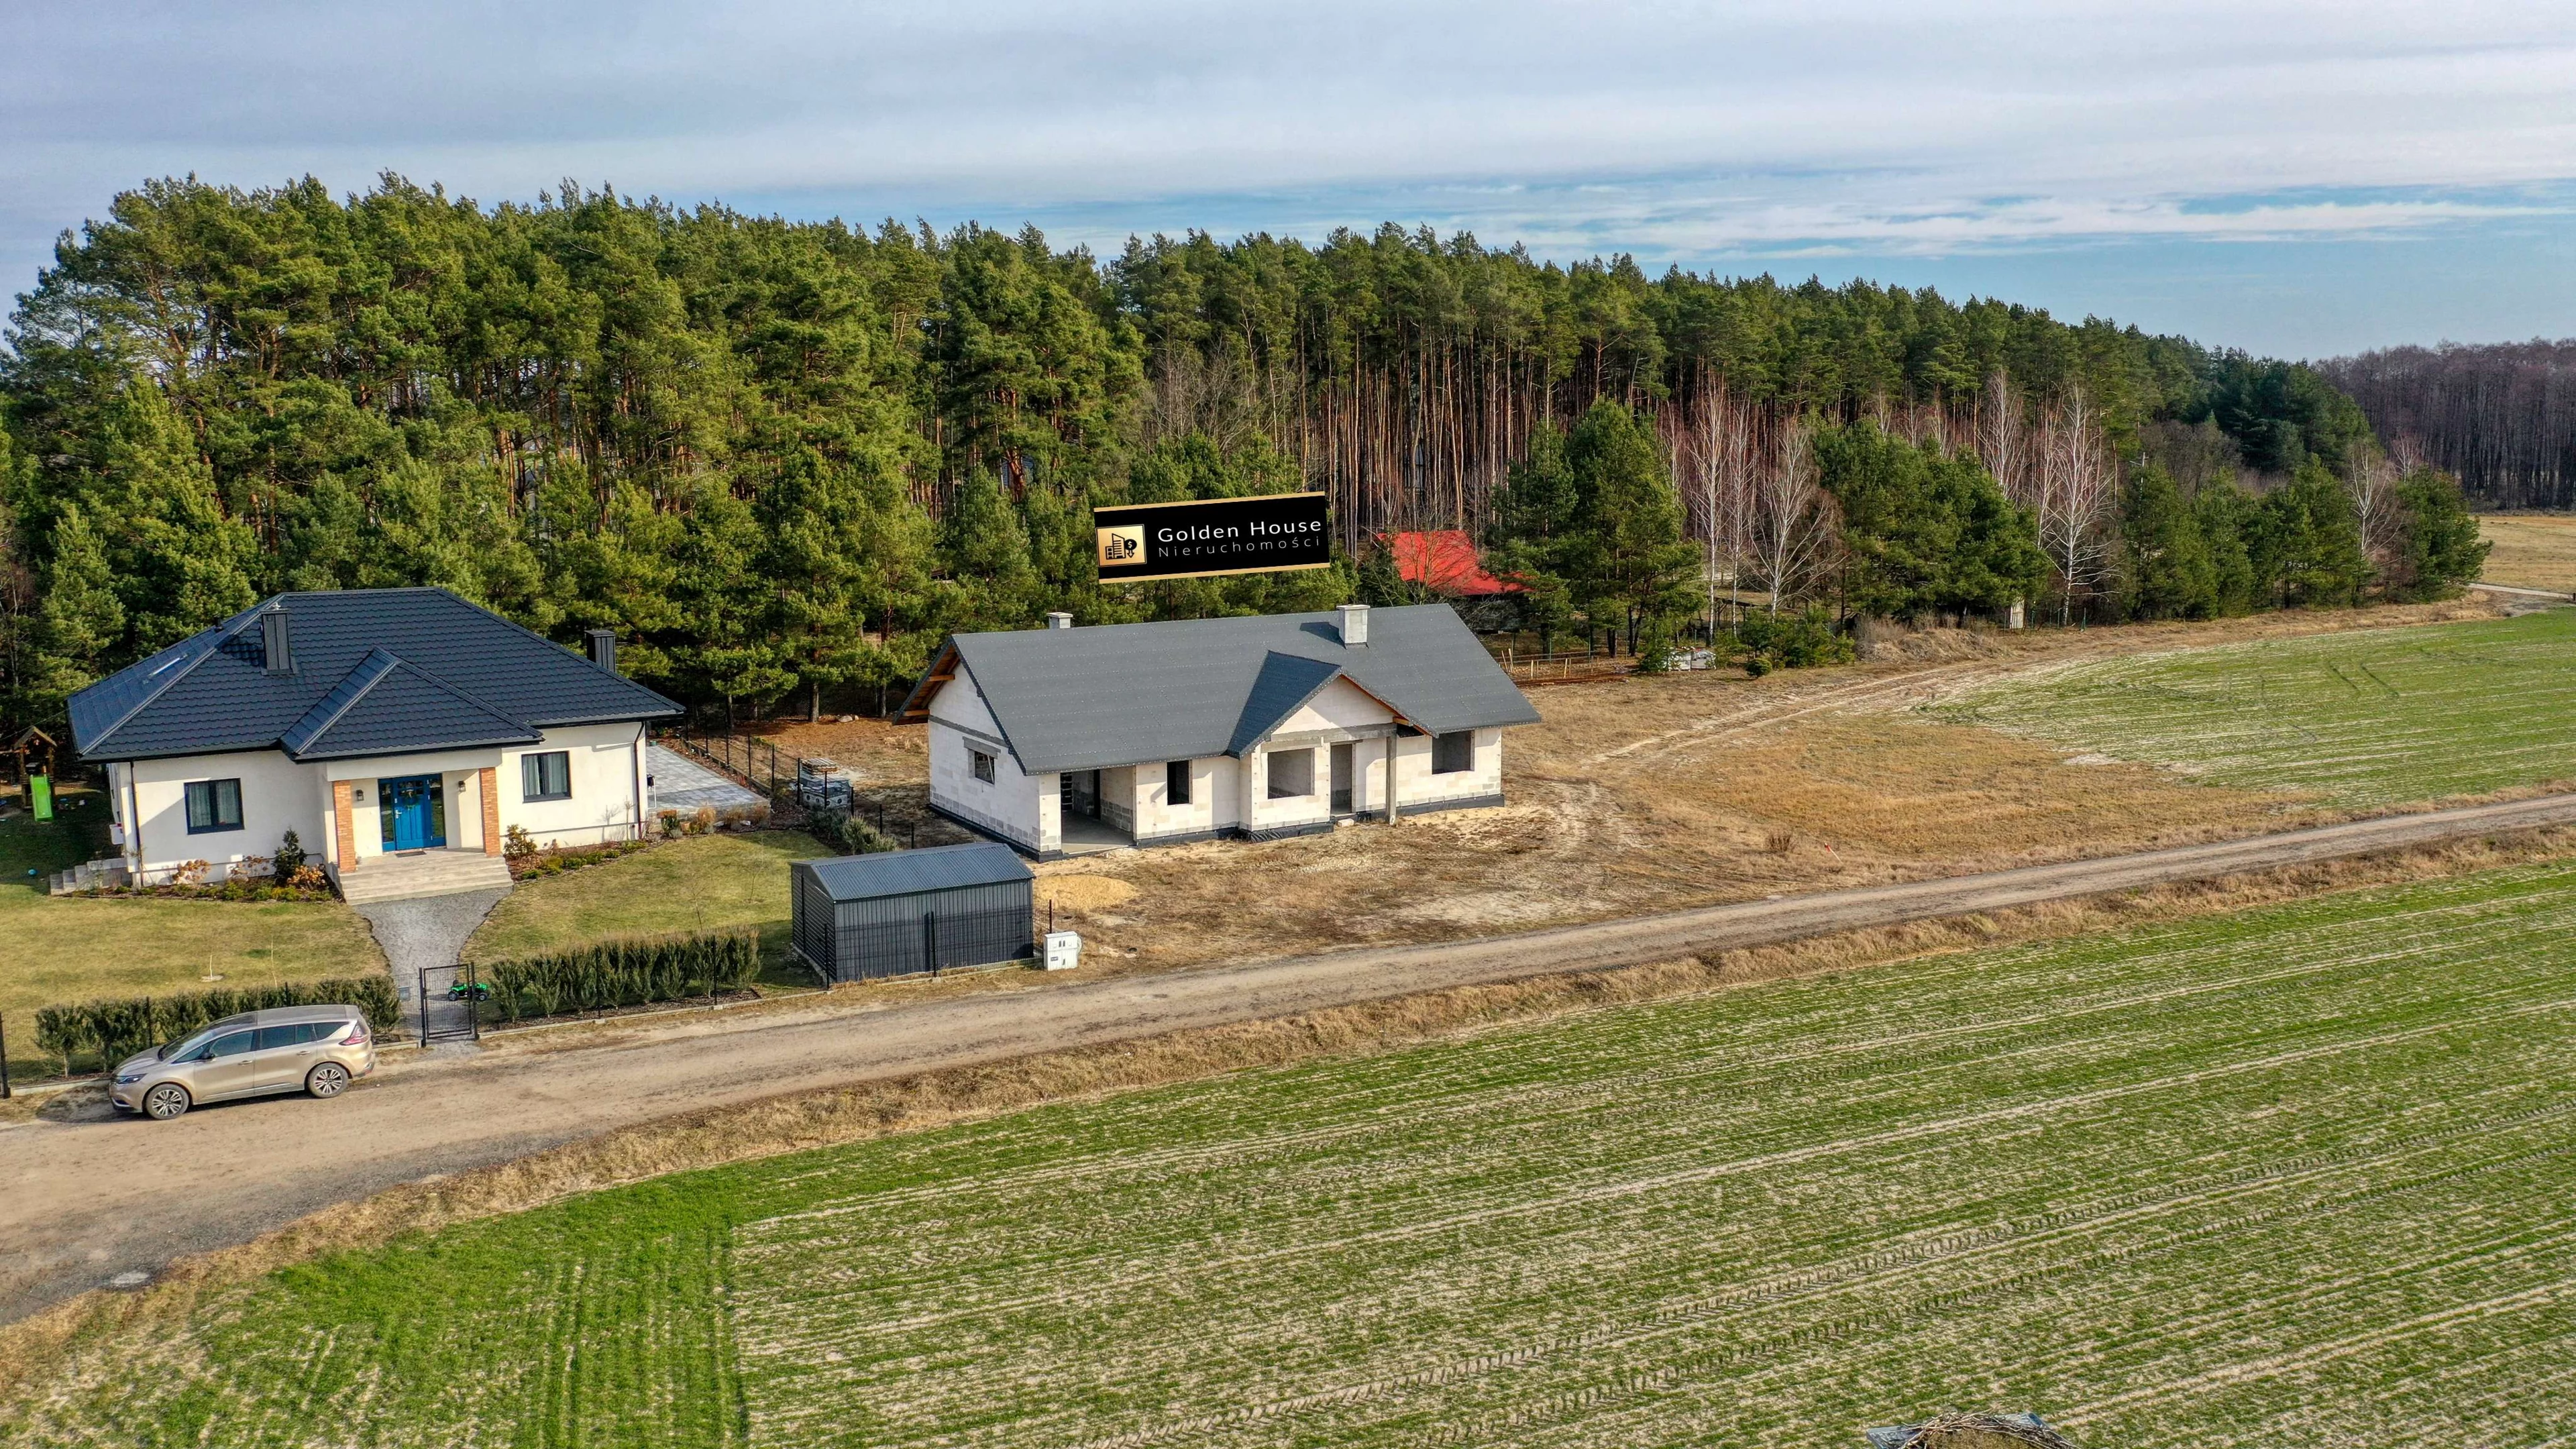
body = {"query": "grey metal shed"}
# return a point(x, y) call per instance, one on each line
point(904, 912)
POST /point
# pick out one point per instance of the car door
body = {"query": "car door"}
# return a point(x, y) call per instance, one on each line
point(283, 1056)
point(227, 1067)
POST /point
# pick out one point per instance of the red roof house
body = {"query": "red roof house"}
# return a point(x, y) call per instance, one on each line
point(1444, 561)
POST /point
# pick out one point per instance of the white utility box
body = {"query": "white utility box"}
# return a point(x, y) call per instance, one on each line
point(1063, 950)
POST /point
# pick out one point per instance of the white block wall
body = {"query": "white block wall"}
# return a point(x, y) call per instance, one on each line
point(1019, 807)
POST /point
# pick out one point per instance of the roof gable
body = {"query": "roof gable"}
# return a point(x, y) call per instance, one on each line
point(462, 668)
point(1077, 699)
point(1285, 682)
point(385, 706)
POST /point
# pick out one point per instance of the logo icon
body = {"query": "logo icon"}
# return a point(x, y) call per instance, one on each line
point(1123, 545)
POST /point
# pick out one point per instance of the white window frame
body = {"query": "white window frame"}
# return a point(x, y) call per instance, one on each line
point(980, 763)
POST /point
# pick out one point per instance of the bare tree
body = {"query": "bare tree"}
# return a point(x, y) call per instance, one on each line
point(2075, 485)
point(1788, 515)
point(2001, 438)
point(2371, 484)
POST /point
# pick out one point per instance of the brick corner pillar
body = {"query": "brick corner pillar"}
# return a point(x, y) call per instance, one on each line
point(487, 784)
point(344, 827)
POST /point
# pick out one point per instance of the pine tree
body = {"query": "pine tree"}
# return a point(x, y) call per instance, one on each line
point(80, 622)
point(2166, 571)
point(2439, 549)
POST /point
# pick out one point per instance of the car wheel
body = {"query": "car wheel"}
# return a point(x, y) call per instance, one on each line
point(165, 1101)
point(327, 1080)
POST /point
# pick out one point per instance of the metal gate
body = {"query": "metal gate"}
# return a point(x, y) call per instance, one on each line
point(451, 999)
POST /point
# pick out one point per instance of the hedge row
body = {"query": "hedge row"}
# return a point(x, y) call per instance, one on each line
point(115, 1029)
point(623, 973)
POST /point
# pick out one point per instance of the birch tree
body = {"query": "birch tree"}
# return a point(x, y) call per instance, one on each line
point(1787, 514)
point(2075, 497)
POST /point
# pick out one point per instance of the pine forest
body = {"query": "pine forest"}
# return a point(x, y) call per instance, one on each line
point(782, 459)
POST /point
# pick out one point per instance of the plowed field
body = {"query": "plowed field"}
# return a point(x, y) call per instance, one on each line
point(2295, 1176)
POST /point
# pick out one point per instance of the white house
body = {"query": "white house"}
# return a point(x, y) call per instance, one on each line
point(1063, 739)
point(400, 733)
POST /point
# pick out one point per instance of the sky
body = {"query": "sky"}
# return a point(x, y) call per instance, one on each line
point(2298, 180)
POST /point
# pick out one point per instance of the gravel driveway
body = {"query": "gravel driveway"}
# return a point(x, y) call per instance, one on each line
point(428, 932)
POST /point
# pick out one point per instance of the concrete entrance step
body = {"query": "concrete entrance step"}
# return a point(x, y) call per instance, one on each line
point(88, 875)
point(431, 873)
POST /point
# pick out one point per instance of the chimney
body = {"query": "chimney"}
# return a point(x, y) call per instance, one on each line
point(1059, 619)
point(603, 649)
point(278, 657)
point(1354, 623)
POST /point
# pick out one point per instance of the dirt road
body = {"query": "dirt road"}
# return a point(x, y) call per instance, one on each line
point(92, 1197)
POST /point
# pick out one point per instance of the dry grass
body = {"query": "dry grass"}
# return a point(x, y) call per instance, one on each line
point(1662, 793)
point(2532, 550)
point(930, 1099)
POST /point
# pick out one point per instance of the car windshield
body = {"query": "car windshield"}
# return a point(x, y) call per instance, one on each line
point(196, 1039)
point(184, 1045)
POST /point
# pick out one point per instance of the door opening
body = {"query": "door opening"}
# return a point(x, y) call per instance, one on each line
point(1342, 779)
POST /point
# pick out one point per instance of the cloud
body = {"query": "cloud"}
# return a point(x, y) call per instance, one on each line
point(1686, 131)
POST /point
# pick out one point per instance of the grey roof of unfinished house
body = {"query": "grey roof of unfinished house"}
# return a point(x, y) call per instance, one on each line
point(1123, 694)
point(375, 672)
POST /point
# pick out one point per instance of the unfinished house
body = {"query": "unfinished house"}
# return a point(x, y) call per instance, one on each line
point(1062, 740)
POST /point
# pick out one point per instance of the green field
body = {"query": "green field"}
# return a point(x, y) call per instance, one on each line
point(2295, 1177)
point(2369, 718)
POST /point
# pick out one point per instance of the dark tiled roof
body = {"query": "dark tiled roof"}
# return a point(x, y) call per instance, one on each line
point(377, 671)
point(386, 704)
point(904, 872)
point(1082, 699)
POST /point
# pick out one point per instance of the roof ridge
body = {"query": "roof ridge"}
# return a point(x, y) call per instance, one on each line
point(390, 663)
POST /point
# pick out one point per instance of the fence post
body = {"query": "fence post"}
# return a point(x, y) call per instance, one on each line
point(4, 1059)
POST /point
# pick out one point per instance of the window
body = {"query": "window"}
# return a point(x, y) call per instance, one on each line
point(1176, 783)
point(1292, 773)
point(982, 764)
point(213, 805)
point(546, 777)
point(231, 1044)
point(273, 1037)
point(1453, 754)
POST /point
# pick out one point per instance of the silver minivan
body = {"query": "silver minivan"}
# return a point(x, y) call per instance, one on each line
point(317, 1050)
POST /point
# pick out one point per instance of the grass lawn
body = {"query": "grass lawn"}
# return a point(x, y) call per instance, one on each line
point(683, 885)
point(2297, 1176)
point(74, 949)
point(2374, 717)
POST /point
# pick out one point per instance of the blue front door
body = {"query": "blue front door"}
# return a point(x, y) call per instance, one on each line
point(414, 810)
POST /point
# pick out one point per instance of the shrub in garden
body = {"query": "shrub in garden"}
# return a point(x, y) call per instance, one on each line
point(517, 844)
point(612, 974)
point(116, 1028)
point(289, 860)
point(846, 833)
